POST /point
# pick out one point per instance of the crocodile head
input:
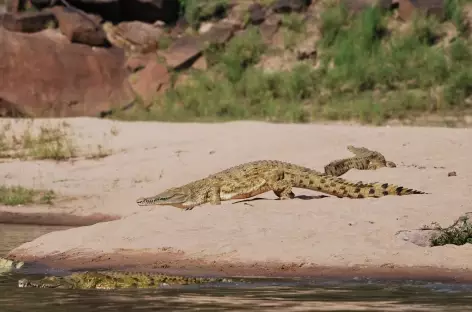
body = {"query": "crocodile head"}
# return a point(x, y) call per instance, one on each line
point(176, 196)
point(46, 282)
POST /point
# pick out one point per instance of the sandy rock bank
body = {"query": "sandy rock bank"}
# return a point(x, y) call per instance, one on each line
point(327, 232)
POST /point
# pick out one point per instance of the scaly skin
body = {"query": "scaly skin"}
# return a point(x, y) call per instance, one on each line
point(365, 159)
point(254, 178)
point(113, 280)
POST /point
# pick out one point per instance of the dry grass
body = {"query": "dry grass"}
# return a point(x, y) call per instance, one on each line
point(18, 195)
point(51, 142)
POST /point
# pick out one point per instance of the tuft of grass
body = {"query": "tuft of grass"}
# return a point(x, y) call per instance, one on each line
point(18, 195)
point(49, 143)
point(293, 27)
point(459, 233)
point(196, 11)
point(454, 12)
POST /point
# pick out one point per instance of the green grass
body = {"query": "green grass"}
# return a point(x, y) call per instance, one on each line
point(196, 11)
point(18, 195)
point(367, 72)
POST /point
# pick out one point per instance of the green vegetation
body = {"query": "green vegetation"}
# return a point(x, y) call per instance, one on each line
point(367, 70)
point(196, 11)
point(459, 233)
point(18, 195)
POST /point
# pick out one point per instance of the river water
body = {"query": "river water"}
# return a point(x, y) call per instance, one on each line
point(256, 294)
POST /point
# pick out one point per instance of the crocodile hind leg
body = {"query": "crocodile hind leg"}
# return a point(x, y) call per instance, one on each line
point(282, 188)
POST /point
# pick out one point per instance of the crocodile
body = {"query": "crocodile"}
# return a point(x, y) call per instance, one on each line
point(364, 159)
point(114, 280)
point(253, 178)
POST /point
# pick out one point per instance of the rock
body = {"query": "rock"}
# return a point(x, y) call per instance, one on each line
point(42, 77)
point(107, 9)
point(237, 15)
point(256, 13)
point(269, 28)
point(420, 238)
point(15, 6)
point(183, 52)
point(150, 81)
point(79, 29)
point(429, 7)
point(179, 28)
point(359, 5)
point(205, 27)
point(150, 11)
point(54, 34)
point(218, 33)
point(27, 21)
point(139, 61)
point(200, 64)
point(134, 37)
point(287, 6)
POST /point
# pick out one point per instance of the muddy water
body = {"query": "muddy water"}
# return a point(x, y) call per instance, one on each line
point(257, 294)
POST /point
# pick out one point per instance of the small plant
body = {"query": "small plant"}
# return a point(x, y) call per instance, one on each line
point(18, 195)
point(50, 142)
point(196, 11)
point(101, 152)
point(459, 233)
point(454, 12)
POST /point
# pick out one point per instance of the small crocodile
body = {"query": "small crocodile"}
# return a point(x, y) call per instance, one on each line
point(364, 159)
point(114, 280)
point(253, 178)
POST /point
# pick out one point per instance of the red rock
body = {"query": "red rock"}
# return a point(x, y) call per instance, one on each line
point(183, 52)
point(26, 21)
point(43, 77)
point(79, 29)
point(428, 7)
point(150, 81)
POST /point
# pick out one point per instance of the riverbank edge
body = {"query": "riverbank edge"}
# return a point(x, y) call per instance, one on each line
point(178, 263)
point(63, 218)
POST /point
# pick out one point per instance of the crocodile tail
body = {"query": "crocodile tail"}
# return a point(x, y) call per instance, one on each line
point(343, 188)
point(384, 189)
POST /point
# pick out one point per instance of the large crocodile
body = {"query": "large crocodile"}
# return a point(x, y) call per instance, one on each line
point(114, 280)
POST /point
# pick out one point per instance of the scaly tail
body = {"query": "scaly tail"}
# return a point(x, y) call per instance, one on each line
point(343, 188)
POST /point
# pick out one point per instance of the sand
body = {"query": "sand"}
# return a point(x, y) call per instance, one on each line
point(256, 237)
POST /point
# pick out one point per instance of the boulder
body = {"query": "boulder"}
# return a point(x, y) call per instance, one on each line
point(44, 77)
point(150, 81)
point(107, 9)
point(134, 36)
point(27, 21)
point(183, 52)
point(77, 28)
